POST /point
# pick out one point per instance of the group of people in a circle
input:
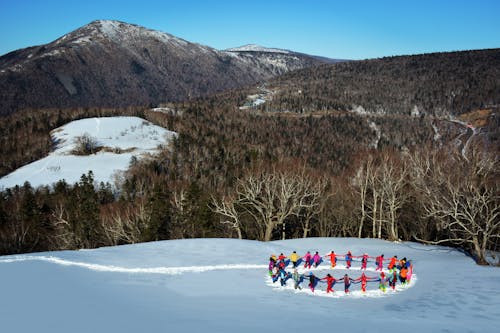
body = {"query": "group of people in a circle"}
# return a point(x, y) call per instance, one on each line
point(401, 270)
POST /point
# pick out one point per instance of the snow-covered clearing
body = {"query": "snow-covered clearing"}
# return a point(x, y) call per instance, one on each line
point(122, 138)
point(222, 285)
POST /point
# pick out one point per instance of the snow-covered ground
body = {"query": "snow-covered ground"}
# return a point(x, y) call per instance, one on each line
point(222, 285)
point(123, 138)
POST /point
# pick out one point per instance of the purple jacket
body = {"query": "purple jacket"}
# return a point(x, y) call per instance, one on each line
point(316, 257)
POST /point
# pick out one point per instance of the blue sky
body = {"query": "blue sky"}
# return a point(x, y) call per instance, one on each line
point(338, 29)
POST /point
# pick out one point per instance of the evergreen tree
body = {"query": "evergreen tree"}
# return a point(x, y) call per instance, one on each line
point(159, 215)
point(87, 212)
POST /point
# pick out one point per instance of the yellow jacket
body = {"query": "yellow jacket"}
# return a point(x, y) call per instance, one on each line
point(294, 257)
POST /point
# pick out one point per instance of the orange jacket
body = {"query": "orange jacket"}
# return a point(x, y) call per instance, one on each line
point(392, 263)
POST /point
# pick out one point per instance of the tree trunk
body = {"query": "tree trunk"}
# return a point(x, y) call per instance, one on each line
point(361, 224)
point(283, 224)
point(306, 228)
point(393, 235)
point(380, 220)
point(269, 232)
point(479, 252)
point(374, 219)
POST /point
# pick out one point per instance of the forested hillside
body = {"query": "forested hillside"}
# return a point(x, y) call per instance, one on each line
point(437, 84)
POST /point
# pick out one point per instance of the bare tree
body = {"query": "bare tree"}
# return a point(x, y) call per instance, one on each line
point(380, 187)
point(125, 224)
point(374, 203)
point(316, 202)
point(62, 237)
point(336, 218)
point(392, 177)
point(227, 208)
point(360, 185)
point(270, 198)
point(462, 195)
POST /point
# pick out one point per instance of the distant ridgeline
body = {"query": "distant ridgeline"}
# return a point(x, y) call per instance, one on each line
point(433, 84)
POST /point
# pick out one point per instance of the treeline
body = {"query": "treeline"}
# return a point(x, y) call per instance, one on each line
point(435, 84)
point(89, 215)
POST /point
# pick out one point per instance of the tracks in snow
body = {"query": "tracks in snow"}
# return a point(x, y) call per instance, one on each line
point(132, 270)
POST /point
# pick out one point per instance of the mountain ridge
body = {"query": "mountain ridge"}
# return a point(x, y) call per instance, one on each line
point(116, 64)
point(440, 84)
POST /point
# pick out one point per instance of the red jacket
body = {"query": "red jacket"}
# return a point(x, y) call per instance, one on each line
point(330, 280)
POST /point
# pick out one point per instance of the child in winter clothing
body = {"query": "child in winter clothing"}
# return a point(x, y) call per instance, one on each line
point(330, 282)
point(283, 277)
point(363, 280)
point(402, 263)
point(392, 263)
point(403, 274)
point(364, 261)
point(383, 282)
point(294, 258)
point(380, 263)
point(297, 278)
point(333, 259)
point(307, 260)
point(316, 259)
point(348, 259)
point(312, 281)
point(272, 263)
point(393, 277)
point(275, 274)
point(347, 283)
point(409, 265)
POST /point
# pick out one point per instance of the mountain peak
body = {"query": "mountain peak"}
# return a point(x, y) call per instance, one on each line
point(256, 48)
point(117, 31)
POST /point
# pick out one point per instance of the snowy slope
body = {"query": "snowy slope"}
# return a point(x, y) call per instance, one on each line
point(123, 138)
point(256, 48)
point(221, 285)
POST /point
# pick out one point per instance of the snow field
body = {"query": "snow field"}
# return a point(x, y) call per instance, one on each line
point(142, 288)
point(123, 138)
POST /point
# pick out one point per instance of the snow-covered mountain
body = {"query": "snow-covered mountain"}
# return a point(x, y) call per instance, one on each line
point(116, 141)
point(111, 63)
point(222, 285)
